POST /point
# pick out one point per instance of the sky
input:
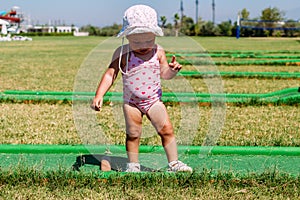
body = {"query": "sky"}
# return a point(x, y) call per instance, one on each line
point(102, 13)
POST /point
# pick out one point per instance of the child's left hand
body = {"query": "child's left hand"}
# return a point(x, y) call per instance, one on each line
point(175, 65)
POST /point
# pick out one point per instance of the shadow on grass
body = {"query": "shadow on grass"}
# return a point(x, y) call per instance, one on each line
point(105, 163)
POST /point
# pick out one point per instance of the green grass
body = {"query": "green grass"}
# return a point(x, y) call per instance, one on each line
point(246, 85)
point(48, 63)
point(53, 124)
point(259, 68)
point(248, 44)
point(52, 63)
point(31, 184)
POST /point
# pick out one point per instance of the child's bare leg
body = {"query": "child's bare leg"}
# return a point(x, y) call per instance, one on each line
point(161, 121)
point(133, 120)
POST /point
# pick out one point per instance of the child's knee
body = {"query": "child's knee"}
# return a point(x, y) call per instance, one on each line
point(133, 134)
point(166, 131)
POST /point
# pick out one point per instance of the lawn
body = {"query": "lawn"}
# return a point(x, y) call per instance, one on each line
point(57, 63)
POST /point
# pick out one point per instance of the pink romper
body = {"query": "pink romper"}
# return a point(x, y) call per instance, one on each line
point(141, 83)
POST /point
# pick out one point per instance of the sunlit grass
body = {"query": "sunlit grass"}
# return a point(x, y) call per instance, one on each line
point(32, 184)
point(247, 44)
point(254, 68)
point(53, 124)
point(51, 64)
point(245, 85)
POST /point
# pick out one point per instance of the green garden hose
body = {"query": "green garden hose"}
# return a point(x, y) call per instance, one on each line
point(283, 96)
point(82, 149)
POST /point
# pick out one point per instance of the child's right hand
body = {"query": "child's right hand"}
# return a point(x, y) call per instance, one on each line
point(174, 65)
point(97, 104)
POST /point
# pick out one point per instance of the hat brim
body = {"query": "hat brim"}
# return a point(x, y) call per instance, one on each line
point(136, 30)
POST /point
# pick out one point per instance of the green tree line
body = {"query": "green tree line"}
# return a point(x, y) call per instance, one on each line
point(265, 25)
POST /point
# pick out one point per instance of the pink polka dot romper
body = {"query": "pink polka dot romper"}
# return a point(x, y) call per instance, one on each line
point(141, 83)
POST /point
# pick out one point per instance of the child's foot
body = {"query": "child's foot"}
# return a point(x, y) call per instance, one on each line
point(178, 166)
point(105, 166)
point(133, 167)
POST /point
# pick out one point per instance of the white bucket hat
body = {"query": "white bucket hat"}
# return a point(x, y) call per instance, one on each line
point(140, 19)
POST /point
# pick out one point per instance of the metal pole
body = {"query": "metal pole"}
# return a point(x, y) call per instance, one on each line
point(197, 3)
point(213, 10)
point(181, 10)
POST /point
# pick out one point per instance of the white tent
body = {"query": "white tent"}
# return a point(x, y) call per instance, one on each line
point(4, 24)
point(4, 29)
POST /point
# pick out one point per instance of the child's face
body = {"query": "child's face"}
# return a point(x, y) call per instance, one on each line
point(141, 43)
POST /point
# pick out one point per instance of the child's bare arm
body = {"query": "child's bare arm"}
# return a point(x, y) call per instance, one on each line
point(168, 70)
point(106, 82)
point(104, 85)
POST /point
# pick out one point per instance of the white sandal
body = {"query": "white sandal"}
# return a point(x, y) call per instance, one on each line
point(133, 167)
point(178, 166)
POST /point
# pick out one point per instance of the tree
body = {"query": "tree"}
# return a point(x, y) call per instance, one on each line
point(244, 32)
point(208, 29)
point(245, 14)
point(176, 19)
point(176, 24)
point(225, 28)
point(198, 26)
point(289, 25)
point(272, 14)
point(91, 29)
point(163, 20)
point(187, 26)
point(110, 30)
point(269, 16)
